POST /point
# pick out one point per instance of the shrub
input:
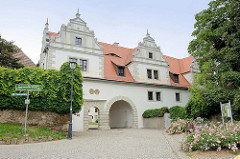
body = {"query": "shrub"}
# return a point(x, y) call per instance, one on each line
point(96, 121)
point(214, 137)
point(179, 125)
point(155, 112)
point(177, 112)
point(56, 93)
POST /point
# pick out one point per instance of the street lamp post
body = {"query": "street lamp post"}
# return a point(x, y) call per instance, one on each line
point(72, 64)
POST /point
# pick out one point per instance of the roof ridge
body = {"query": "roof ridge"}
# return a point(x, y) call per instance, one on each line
point(117, 46)
point(177, 58)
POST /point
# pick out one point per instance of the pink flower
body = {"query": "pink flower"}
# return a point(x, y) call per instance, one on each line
point(218, 141)
point(219, 148)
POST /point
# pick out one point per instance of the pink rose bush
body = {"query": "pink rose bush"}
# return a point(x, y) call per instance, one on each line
point(179, 125)
point(207, 136)
point(213, 137)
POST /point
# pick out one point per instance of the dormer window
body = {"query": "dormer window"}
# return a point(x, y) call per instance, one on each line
point(121, 71)
point(150, 55)
point(176, 78)
point(78, 41)
point(112, 54)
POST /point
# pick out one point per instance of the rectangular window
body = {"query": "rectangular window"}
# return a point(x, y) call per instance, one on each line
point(178, 97)
point(150, 95)
point(150, 55)
point(158, 96)
point(175, 78)
point(155, 72)
point(83, 65)
point(149, 74)
point(78, 41)
point(121, 71)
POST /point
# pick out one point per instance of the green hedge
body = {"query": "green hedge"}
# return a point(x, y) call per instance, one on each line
point(56, 93)
point(177, 112)
point(150, 113)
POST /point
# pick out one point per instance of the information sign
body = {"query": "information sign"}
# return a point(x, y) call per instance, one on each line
point(19, 94)
point(27, 87)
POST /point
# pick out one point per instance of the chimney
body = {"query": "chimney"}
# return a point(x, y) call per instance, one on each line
point(116, 43)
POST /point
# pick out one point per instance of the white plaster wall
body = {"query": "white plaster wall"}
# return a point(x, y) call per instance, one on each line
point(77, 121)
point(137, 93)
point(120, 115)
point(94, 62)
point(163, 73)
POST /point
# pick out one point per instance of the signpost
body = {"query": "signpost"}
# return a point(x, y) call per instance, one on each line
point(226, 111)
point(19, 94)
point(26, 87)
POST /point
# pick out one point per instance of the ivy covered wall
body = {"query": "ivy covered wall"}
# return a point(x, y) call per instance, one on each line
point(56, 93)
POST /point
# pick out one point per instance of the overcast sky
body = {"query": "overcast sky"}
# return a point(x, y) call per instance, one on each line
point(170, 23)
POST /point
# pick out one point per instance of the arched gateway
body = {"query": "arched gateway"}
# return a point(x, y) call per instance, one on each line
point(122, 113)
point(119, 112)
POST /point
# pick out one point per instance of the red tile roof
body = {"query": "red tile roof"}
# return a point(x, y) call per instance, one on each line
point(125, 56)
point(24, 59)
point(176, 66)
point(52, 34)
point(179, 66)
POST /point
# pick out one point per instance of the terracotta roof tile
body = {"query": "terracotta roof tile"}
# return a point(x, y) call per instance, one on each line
point(179, 65)
point(24, 59)
point(52, 34)
point(125, 56)
point(176, 66)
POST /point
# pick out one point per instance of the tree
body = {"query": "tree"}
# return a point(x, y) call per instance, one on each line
point(216, 48)
point(7, 49)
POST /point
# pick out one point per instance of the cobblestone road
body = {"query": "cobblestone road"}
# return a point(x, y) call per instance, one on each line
point(103, 144)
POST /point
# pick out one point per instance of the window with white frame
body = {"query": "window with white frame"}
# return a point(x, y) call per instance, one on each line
point(149, 73)
point(150, 95)
point(150, 55)
point(155, 73)
point(78, 41)
point(83, 65)
point(177, 97)
point(158, 96)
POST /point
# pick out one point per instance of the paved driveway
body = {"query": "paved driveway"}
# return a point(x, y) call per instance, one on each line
point(103, 144)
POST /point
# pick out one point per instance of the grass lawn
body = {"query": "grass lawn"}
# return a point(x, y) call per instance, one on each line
point(15, 130)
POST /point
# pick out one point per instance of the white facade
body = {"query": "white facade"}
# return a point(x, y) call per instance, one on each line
point(120, 103)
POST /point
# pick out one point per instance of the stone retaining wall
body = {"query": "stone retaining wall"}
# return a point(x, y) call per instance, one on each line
point(154, 123)
point(36, 118)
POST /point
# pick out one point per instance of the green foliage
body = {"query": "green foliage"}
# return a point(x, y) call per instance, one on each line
point(177, 112)
point(216, 48)
point(150, 113)
point(6, 51)
point(56, 92)
point(15, 130)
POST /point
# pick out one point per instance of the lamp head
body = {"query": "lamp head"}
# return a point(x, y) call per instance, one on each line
point(72, 63)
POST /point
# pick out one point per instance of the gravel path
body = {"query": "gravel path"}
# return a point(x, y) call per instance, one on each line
point(103, 144)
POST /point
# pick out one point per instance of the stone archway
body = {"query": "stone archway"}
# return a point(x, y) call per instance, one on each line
point(99, 104)
point(122, 107)
point(120, 115)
